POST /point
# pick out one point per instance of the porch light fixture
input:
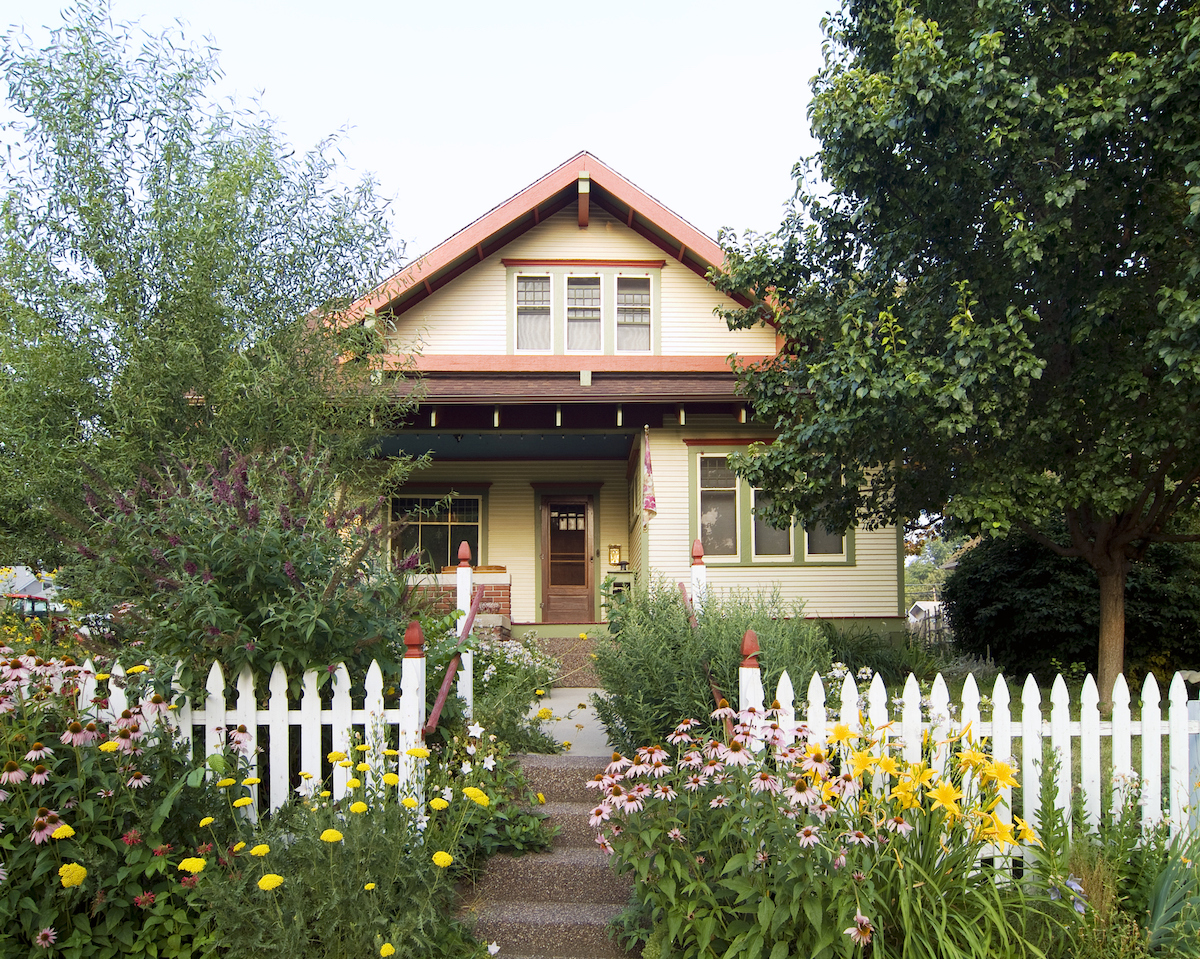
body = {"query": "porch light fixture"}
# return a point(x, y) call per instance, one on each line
point(614, 556)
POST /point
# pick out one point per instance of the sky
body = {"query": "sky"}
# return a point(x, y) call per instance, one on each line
point(456, 107)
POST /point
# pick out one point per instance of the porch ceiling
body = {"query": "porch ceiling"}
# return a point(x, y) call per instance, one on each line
point(445, 446)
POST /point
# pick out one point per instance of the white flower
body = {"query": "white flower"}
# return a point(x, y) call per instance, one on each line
point(474, 730)
point(447, 793)
point(493, 948)
point(470, 749)
point(466, 769)
point(490, 763)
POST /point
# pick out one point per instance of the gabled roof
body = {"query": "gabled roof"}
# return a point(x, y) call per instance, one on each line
point(555, 191)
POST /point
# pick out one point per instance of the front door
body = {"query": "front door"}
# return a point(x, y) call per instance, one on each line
point(568, 560)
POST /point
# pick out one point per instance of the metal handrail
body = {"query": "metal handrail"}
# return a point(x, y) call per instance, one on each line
point(452, 669)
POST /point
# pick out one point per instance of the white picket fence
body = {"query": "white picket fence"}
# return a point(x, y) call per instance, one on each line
point(908, 719)
point(320, 728)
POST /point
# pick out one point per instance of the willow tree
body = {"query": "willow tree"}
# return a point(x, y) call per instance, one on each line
point(170, 276)
point(991, 296)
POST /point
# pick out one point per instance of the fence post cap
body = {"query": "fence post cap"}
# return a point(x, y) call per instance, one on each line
point(750, 650)
point(464, 553)
point(697, 553)
point(414, 641)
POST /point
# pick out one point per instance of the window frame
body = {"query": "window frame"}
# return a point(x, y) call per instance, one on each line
point(566, 316)
point(746, 547)
point(738, 533)
point(617, 316)
point(439, 493)
point(609, 273)
point(517, 314)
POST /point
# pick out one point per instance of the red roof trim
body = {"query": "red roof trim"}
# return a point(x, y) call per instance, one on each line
point(617, 264)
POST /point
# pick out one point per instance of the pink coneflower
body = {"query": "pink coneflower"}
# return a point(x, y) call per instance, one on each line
point(14, 672)
point(862, 929)
point(816, 761)
point(603, 843)
point(859, 837)
point(136, 733)
point(599, 782)
point(664, 791)
point(658, 769)
point(691, 760)
point(13, 774)
point(808, 836)
point(694, 782)
point(712, 766)
point(679, 736)
point(618, 764)
point(641, 791)
point(712, 748)
point(240, 740)
point(126, 719)
point(839, 861)
point(598, 815)
point(104, 793)
point(75, 735)
point(718, 802)
point(92, 732)
point(44, 826)
point(675, 835)
point(765, 782)
point(639, 768)
point(800, 791)
point(630, 803)
point(650, 754)
point(898, 824)
point(736, 754)
point(137, 780)
point(723, 711)
point(787, 754)
point(40, 775)
point(155, 706)
point(38, 752)
point(46, 938)
point(821, 810)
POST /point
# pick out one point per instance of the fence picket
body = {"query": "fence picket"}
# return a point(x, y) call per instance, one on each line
point(910, 720)
point(280, 733)
point(1122, 754)
point(939, 721)
point(340, 721)
point(1177, 753)
point(311, 760)
point(1031, 750)
point(1089, 751)
point(815, 716)
point(214, 711)
point(246, 714)
point(1002, 752)
point(785, 695)
point(1060, 745)
point(1151, 753)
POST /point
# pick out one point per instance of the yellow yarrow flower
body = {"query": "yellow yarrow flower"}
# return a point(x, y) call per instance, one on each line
point(251, 781)
point(244, 801)
point(347, 763)
point(270, 881)
point(239, 847)
point(134, 670)
point(359, 807)
point(192, 864)
point(417, 752)
point(109, 746)
point(206, 821)
point(100, 677)
point(387, 949)
point(225, 783)
point(438, 803)
point(331, 835)
point(408, 802)
point(391, 752)
point(260, 850)
point(545, 713)
point(62, 832)
point(442, 859)
point(369, 886)
point(71, 874)
point(353, 782)
point(363, 767)
point(325, 794)
point(336, 756)
point(481, 798)
point(363, 748)
point(391, 779)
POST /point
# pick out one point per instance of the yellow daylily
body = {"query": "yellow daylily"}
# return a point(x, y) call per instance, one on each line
point(945, 795)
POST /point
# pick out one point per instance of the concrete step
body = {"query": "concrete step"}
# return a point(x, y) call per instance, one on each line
point(549, 930)
point(566, 874)
point(571, 821)
point(575, 655)
point(563, 778)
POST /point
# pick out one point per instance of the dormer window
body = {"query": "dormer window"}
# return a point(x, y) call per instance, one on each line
point(584, 306)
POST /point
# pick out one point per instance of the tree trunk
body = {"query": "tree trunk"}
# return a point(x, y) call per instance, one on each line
point(1112, 630)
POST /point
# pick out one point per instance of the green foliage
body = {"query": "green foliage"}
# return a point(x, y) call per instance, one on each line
point(132, 816)
point(170, 275)
point(508, 675)
point(655, 667)
point(991, 303)
point(1027, 606)
point(924, 575)
point(251, 560)
point(790, 850)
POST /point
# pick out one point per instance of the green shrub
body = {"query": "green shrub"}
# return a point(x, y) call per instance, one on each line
point(1023, 605)
point(655, 667)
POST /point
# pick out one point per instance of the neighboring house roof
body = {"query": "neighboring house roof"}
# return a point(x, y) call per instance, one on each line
point(582, 180)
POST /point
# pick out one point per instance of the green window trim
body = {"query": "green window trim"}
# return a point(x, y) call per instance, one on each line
point(423, 492)
point(742, 555)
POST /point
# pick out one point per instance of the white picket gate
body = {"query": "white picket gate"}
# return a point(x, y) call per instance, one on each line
point(908, 719)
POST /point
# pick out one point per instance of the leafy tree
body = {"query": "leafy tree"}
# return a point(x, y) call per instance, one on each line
point(924, 574)
point(1035, 611)
point(991, 312)
point(170, 276)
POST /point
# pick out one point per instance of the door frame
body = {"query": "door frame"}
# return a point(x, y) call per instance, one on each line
point(564, 492)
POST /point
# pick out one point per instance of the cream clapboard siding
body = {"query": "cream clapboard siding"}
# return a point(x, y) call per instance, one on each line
point(866, 589)
point(514, 514)
point(469, 315)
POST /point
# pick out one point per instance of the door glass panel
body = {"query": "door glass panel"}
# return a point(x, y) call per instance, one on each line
point(568, 545)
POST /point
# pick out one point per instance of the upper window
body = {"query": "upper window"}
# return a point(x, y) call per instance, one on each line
point(633, 314)
point(583, 306)
point(533, 313)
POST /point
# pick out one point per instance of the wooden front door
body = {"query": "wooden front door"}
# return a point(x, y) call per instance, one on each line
point(568, 560)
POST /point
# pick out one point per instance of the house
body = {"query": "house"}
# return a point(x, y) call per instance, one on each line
point(558, 336)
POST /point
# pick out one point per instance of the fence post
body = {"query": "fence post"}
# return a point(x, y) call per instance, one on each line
point(699, 577)
point(750, 687)
point(1193, 715)
point(466, 668)
point(412, 702)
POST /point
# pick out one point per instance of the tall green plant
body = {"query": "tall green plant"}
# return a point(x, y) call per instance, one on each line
point(655, 667)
